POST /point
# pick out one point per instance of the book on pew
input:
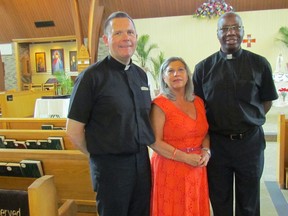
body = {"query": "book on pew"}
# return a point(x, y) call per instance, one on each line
point(20, 145)
point(52, 143)
point(58, 128)
point(32, 144)
point(3, 168)
point(31, 168)
point(43, 144)
point(56, 143)
point(47, 127)
point(37, 144)
point(2, 142)
point(9, 143)
point(14, 169)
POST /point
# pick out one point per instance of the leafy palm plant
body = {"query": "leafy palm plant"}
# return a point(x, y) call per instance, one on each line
point(157, 62)
point(143, 50)
point(284, 35)
point(65, 82)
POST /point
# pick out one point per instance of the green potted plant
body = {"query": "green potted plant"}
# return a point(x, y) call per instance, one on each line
point(143, 50)
point(65, 83)
point(157, 62)
point(283, 31)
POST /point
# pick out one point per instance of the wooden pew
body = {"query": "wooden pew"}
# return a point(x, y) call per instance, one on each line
point(39, 86)
point(31, 123)
point(282, 139)
point(69, 167)
point(43, 199)
point(20, 103)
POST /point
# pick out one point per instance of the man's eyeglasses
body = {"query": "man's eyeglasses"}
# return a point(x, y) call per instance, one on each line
point(231, 28)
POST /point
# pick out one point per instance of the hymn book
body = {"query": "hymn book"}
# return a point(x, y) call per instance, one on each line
point(47, 127)
point(32, 144)
point(56, 143)
point(9, 143)
point(31, 168)
point(3, 168)
point(2, 142)
point(20, 145)
point(13, 169)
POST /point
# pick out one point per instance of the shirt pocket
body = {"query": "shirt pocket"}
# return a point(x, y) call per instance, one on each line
point(145, 101)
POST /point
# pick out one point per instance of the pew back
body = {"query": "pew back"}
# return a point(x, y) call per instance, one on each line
point(41, 197)
point(282, 139)
point(20, 103)
point(31, 123)
point(69, 167)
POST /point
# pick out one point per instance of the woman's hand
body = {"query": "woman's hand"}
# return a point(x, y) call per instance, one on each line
point(205, 156)
point(193, 159)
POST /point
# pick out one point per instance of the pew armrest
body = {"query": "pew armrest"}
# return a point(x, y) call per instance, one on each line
point(69, 208)
point(43, 199)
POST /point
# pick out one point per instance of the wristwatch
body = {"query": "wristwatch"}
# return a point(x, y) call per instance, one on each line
point(207, 150)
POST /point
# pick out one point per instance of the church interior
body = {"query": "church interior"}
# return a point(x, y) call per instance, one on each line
point(45, 45)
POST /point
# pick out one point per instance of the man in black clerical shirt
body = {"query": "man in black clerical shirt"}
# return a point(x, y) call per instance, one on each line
point(109, 121)
point(237, 88)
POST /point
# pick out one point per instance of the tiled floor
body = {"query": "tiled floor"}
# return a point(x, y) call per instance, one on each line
point(270, 174)
point(271, 163)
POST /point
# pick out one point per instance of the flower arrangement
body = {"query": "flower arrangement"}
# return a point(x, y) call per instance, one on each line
point(213, 8)
point(283, 92)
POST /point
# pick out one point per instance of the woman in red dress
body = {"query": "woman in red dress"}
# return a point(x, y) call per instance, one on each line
point(181, 149)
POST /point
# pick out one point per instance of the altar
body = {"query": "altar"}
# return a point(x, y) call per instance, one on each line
point(51, 108)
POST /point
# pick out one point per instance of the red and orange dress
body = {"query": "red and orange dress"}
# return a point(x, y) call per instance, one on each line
point(179, 188)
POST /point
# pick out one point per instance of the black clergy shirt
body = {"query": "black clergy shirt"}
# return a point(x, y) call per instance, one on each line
point(113, 101)
point(234, 88)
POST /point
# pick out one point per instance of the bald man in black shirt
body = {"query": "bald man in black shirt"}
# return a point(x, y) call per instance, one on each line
point(237, 88)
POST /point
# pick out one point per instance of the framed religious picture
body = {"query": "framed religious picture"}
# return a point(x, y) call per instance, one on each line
point(73, 60)
point(57, 60)
point(40, 60)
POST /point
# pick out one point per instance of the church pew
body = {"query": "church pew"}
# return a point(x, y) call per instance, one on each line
point(31, 123)
point(282, 139)
point(42, 199)
point(26, 134)
point(20, 103)
point(70, 167)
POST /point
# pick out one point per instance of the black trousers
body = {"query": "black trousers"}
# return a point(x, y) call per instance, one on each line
point(239, 163)
point(122, 183)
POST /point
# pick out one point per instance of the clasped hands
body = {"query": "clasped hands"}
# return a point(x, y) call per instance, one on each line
point(198, 160)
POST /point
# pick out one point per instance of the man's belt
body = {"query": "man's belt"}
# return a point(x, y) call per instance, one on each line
point(238, 136)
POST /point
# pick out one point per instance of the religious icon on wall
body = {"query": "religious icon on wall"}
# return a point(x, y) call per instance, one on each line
point(73, 60)
point(40, 60)
point(57, 60)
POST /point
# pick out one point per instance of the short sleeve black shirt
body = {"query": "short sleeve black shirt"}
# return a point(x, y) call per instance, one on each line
point(114, 104)
point(234, 88)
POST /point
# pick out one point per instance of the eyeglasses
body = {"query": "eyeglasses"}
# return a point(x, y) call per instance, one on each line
point(231, 28)
point(172, 72)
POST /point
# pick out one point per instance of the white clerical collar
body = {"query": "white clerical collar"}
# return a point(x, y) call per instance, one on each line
point(229, 56)
point(127, 67)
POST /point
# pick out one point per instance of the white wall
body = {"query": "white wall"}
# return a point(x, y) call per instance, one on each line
point(194, 39)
